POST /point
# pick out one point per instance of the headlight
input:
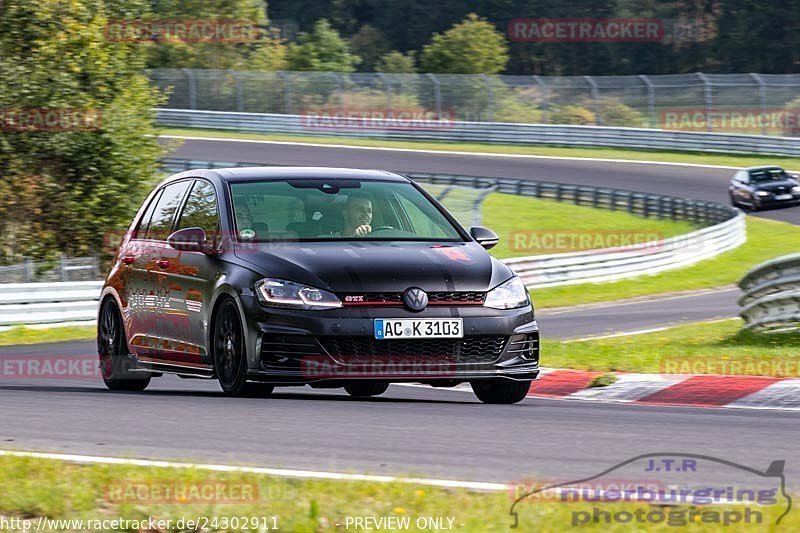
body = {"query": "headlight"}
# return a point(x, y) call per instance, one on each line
point(796, 189)
point(281, 293)
point(507, 295)
point(762, 193)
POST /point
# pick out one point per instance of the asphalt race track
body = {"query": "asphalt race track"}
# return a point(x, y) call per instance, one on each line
point(699, 183)
point(410, 430)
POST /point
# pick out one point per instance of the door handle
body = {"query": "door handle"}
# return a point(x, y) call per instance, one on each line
point(162, 263)
point(128, 260)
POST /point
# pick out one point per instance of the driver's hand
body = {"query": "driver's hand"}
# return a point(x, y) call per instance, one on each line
point(363, 230)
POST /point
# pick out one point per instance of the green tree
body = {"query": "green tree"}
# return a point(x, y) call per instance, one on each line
point(62, 189)
point(395, 62)
point(474, 46)
point(369, 44)
point(321, 50)
point(259, 53)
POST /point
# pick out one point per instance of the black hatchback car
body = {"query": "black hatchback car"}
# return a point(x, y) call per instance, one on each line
point(761, 187)
point(265, 277)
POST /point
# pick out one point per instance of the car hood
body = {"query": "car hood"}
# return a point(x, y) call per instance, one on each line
point(378, 266)
point(773, 186)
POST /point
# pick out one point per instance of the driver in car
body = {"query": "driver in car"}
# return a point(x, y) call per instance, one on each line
point(357, 216)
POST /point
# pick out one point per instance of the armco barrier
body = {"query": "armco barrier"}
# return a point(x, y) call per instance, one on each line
point(494, 132)
point(771, 299)
point(45, 303)
point(724, 229)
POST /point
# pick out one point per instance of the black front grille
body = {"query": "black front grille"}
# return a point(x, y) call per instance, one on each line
point(472, 349)
point(396, 298)
point(456, 298)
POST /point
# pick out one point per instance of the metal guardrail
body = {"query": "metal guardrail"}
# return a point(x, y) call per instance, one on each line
point(724, 230)
point(65, 269)
point(46, 303)
point(491, 132)
point(771, 299)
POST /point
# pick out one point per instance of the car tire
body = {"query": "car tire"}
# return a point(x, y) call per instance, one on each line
point(365, 389)
point(227, 345)
point(505, 391)
point(116, 366)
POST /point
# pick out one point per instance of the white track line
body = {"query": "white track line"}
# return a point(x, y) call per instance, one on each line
point(630, 301)
point(644, 331)
point(446, 152)
point(620, 334)
point(279, 472)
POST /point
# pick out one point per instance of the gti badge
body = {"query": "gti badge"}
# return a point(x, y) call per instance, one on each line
point(415, 299)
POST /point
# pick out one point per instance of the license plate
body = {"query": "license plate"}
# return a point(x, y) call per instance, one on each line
point(783, 197)
point(412, 328)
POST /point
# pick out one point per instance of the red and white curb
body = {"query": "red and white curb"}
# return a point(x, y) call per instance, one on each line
point(698, 390)
point(695, 390)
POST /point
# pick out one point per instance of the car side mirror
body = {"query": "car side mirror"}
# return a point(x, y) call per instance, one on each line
point(189, 240)
point(484, 236)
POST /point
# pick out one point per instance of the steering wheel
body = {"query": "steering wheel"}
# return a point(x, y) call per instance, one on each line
point(382, 228)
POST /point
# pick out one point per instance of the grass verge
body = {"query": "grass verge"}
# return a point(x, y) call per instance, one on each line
point(700, 348)
point(48, 488)
point(766, 239)
point(23, 335)
point(536, 223)
point(601, 153)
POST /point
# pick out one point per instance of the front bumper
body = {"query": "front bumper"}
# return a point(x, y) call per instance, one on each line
point(335, 346)
point(771, 201)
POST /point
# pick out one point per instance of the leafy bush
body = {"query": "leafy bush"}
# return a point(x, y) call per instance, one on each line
point(474, 46)
point(615, 113)
point(64, 189)
point(572, 114)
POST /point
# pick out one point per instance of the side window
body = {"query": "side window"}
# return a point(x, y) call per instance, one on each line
point(144, 222)
point(741, 176)
point(161, 223)
point(201, 211)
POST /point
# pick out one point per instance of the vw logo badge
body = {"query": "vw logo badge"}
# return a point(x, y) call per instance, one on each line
point(415, 299)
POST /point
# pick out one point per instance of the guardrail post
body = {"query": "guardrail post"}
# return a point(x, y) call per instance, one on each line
point(545, 96)
point(437, 94)
point(593, 86)
point(651, 100)
point(708, 98)
point(762, 98)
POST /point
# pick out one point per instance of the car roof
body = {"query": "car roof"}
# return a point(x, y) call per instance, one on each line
point(289, 173)
point(764, 167)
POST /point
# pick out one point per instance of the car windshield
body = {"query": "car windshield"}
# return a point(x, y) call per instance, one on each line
point(768, 174)
point(336, 209)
